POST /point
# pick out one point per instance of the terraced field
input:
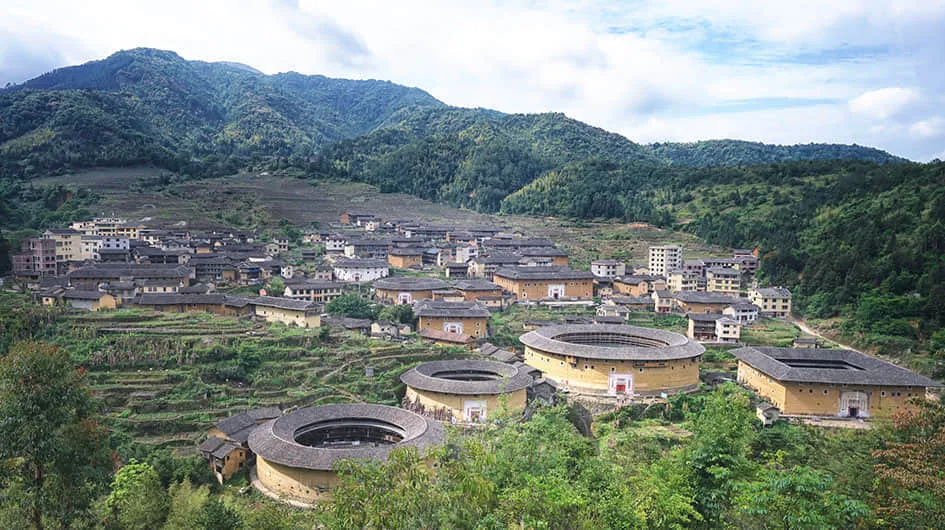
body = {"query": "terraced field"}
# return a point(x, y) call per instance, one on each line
point(164, 378)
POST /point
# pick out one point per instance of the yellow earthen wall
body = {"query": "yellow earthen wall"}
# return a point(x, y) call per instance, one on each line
point(305, 484)
point(811, 399)
point(538, 289)
point(474, 327)
point(648, 378)
point(514, 401)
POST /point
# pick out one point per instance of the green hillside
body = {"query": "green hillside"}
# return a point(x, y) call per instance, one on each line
point(742, 153)
point(146, 105)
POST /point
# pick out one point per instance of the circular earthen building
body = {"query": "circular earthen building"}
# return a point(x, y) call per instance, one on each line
point(613, 359)
point(296, 453)
point(464, 390)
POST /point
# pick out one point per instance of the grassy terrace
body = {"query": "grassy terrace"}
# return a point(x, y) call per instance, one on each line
point(164, 378)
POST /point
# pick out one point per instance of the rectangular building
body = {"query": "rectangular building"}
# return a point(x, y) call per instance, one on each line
point(664, 258)
point(772, 301)
point(537, 283)
point(818, 382)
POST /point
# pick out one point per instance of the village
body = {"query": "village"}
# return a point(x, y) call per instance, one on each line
point(582, 336)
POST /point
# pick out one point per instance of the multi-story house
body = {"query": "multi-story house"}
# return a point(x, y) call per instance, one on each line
point(664, 258)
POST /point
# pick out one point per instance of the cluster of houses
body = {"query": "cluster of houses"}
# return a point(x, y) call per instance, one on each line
point(717, 295)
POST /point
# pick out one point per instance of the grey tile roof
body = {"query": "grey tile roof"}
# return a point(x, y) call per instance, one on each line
point(211, 444)
point(589, 341)
point(437, 376)
point(438, 308)
point(236, 427)
point(543, 273)
point(863, 369)
point(81, 294)
point(282, 303)
point(349, 263)
point(774, 292)
point(542, 251)
point(159, 299)
point(475, 285)
point(407, 283)
point(122, 270)
point(703, 317)
point(275, 440)
point(636, 279)
point(698, 297)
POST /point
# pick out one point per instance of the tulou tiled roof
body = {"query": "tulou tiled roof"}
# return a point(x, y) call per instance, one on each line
point(850, 367)
point(612, 342)
point(407, 283)
point(439, 308)
point(442, 377)
point(543, 273)
point(275, 440)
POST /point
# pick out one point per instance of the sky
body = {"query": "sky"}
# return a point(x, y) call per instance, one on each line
point(843, 71)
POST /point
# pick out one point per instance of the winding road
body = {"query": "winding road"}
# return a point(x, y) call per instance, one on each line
point(800, 323)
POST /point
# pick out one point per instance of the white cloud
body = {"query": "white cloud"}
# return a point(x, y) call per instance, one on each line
point(884, 103)
point(653, 70)
point(927, 128)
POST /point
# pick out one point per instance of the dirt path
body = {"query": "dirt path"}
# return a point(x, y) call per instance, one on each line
point(800, 323)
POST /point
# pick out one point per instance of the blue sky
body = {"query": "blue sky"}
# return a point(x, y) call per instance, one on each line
point(672, 70)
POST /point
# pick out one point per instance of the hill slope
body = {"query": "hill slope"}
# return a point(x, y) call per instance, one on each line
point(199, 118)
point(144, 103)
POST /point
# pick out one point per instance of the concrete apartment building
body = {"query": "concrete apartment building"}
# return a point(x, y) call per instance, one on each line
point(664, 258)
point(772, 301)
point(608, 268)
point(723, 280)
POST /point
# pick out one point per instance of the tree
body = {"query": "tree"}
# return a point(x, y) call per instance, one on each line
point(187, 506)
point(401, 313)
point(216, 514)
point(718, 453)
point(795, 499)
point(911, 468)
point(351, 306)
point(137, 499)
point(46, 427)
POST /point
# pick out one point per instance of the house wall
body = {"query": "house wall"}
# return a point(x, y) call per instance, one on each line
point(304, 484)
point(404, 262)
point(392, 295)
point(648, 377)
point(817, 399)
point(538, 289)
point(514, 401)
point(232, 463)
point(474, 327)
point(289, 317)
point(641, 289)
point(471, 296)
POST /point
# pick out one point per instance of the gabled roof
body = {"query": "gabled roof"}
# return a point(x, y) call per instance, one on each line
point(408, 283)
point(698, 297)
point(81, 294)
point(773, 292)
point(282, 303)
point(435, 309)
point(476, 285)
point(810, 365)
point(237, 428)
point(360, 264)
point(211, 444)
point(636, 279)
point(542, 273)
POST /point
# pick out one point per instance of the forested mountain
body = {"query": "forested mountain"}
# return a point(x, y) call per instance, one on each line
point(742, 153)
point(198, 118)
point(146, 105)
